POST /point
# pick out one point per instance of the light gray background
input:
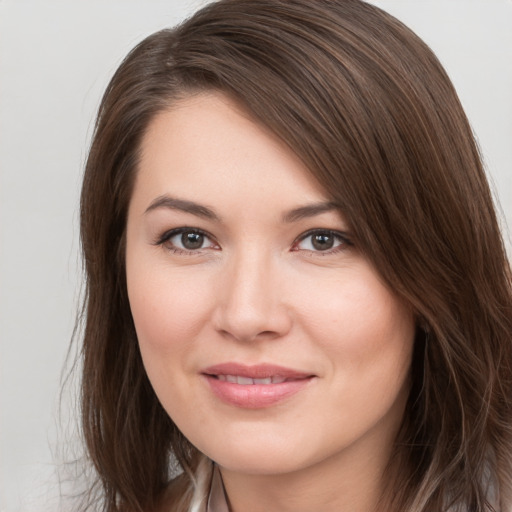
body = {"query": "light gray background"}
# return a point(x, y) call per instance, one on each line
point(55, 60)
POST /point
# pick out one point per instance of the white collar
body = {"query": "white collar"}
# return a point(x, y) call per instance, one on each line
point(217, 496)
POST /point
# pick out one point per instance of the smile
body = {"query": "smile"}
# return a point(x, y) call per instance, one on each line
point(255, 387)
point(245, 381)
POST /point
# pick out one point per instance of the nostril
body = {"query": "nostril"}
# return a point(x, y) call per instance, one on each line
point(246, 312)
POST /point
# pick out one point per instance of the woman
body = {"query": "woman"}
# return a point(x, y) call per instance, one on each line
point(297, 293)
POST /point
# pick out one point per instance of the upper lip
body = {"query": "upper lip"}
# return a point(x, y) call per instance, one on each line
point(258, 371)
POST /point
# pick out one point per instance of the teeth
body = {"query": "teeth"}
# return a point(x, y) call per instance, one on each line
point(268, 380)
point(244, 381)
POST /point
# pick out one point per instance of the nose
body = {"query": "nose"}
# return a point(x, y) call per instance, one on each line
point(251, 302)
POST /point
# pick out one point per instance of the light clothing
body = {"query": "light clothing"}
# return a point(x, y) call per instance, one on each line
point(217, 497)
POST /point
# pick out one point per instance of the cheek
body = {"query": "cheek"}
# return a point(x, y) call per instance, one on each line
point(361, 325)
point(170, 311)
point(169, 308)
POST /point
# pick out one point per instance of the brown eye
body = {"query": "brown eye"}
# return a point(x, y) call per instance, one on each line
point(191, 240)
point(187, 240)
point(322, 241)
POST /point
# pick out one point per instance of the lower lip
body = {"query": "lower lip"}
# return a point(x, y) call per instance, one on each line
point(255, 396)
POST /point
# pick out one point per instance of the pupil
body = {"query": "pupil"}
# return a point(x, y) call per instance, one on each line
point(323, 242)
point(192, 240)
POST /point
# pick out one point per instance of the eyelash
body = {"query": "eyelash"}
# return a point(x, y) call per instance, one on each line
point(168, 235)
point(342, 238)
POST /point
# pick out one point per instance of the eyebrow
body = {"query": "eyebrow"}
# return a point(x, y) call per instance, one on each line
point(310, 210)
point(184, 205)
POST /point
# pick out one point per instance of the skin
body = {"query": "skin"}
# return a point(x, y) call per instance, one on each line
point(258, 291)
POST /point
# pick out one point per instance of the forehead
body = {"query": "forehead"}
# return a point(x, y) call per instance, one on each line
point(207, 146)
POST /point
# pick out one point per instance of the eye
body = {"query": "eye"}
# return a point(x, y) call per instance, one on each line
point(322, 240)
point(187, 240)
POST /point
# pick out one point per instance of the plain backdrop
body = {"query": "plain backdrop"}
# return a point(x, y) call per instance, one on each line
point(56, 58)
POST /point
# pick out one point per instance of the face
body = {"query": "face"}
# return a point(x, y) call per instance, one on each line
point(268, 337)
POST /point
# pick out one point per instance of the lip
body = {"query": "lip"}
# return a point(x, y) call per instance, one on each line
point(255, 396)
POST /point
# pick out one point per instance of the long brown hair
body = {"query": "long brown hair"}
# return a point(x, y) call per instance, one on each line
point(371, 112)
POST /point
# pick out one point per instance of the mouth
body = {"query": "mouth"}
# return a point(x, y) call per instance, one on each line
point(255, 387)
point(265, 374)
point(247, 381)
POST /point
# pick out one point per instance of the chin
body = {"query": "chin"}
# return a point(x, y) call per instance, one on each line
point(264, 464)
point(261, 457)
